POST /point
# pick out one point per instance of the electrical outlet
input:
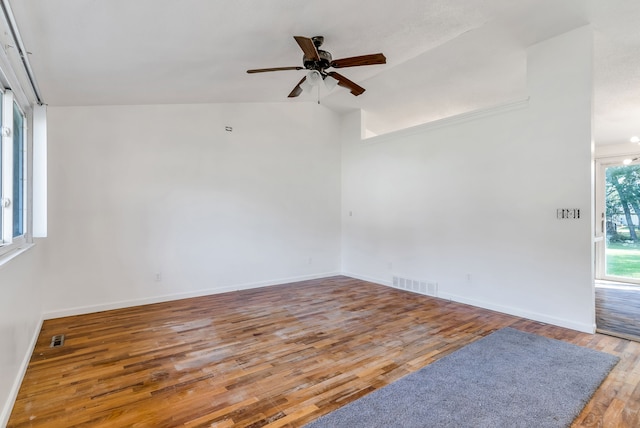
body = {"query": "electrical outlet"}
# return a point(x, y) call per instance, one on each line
point(158, 277)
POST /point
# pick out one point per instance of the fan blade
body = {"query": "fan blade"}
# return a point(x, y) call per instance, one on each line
point(263, 70)
point(307, 46)
point(356, 61)
point(298, 89)
point(346, 83)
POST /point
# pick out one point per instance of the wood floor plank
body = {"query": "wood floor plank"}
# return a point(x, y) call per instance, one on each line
point(278, 356)
point(618, 310)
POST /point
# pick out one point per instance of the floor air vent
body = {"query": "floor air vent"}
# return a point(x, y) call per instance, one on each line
point(422, 287)
point(57, 341)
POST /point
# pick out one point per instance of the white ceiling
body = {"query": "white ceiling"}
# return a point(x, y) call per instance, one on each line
point(443, 56)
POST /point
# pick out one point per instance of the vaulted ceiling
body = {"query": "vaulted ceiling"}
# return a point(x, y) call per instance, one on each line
point(444, 57)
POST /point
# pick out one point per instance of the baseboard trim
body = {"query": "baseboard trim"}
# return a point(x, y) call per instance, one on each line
point(82, 310)
point(368, 279)
point(518, 312)
point(22, 370)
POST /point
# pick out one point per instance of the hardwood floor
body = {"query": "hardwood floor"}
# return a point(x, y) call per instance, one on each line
point(618, 310)
point(276, 356)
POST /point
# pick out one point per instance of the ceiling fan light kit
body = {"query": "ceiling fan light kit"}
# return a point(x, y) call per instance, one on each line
point(317, 61)
point(314, 78)
point(330, 82)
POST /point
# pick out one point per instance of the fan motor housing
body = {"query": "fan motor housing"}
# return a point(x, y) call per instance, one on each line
point(325, 61)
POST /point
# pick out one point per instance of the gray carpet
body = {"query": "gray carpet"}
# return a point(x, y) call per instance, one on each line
point(506, 379)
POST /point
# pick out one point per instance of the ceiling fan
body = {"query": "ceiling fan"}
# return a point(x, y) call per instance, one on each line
point(317, 60)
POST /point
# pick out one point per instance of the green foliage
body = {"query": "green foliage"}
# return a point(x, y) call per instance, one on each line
point(622, 199)
point(623, 259)
point(622, 189)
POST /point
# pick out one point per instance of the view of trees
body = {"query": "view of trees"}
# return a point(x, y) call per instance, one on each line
point(622, 246)
point(622, 200)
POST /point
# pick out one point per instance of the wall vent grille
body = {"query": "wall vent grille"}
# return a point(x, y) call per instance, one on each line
point(428, 288)
point(57, 341)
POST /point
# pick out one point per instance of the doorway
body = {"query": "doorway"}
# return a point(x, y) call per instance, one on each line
point(617, 246)
point(618, 231)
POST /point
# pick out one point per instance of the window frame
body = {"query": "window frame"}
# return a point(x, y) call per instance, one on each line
point(10, 245)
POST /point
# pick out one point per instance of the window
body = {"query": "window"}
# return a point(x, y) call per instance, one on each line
point(13, 175)
point(23, 146)
point(19, 169)
point(618, 211)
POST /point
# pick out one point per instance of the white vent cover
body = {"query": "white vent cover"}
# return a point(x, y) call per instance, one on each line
point(428, 288)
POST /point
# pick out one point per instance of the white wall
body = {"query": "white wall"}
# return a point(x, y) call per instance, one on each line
point(20, 318)
point(471, 205)
point(152, 202)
